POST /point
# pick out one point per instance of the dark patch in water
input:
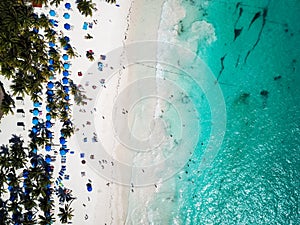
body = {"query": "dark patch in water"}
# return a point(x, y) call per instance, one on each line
point(264, 93)
point(255, 17)
point(222, 65)
point(264, 16)
point(243, 98)
point(277, 78)
point(237, 32)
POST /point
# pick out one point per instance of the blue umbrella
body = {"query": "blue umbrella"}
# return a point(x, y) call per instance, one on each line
point(68, 6)
point(65, 80)
point(50, 84)
point(62, 152)
point(67, 97)
point(48, 158)
point(48, 124)
point(67, 39)
point(65, 73)
point(48, 116)
point(51, 61)
point(66, 15)
point(66, 47)
point(52, 12)
point(51, 44)
point(48, 108)
point(35, 120)
point(35, 112)
point(66, 66)
point(85, 26)
point(25, 173)
point(89, 187)
point(66, 106)
point(34, 130)
point(36, 104)
point(67, 26)
point(50, 92)
point(62, 140)
point(35, 30)
point(65, 57)
point(51, 68)
point(66, 89)
point(48, 147)
point(49, 134)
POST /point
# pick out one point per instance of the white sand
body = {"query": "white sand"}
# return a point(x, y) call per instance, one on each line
point(108, 203)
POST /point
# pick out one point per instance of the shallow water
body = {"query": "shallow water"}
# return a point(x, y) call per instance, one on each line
point(252, 48)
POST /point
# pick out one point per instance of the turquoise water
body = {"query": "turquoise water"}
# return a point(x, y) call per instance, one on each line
point(255, 178)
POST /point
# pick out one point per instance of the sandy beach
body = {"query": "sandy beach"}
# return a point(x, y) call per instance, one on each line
point(113, 27)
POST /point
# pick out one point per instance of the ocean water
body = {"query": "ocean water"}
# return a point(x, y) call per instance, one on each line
point(253, 49)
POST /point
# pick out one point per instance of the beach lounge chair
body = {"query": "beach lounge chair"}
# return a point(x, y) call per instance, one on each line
point(21, 124)
point(21, 111)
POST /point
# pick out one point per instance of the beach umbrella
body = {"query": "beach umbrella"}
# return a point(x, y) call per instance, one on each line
point(67, 97)
point(36, 104)
point(62, 140)
point(62, 152)
point(67, 46)
point(35, 112)
point(51, 44)
point(25, 173)
point(68, 5)
point(66, 66)
point(49, 99)
point(66, 89)
point(65, 80)
point(85, 26)
point(50, 68)
point(49, 134)
point(67, 39)
point(48, 147)
point(48, 158)
point(51, 61)
point(67, 26)
point(48, 116)
point(35, 120)
point(48, 124)
point(34, 130)
point(50, 84)
point(65, 57)
point(50, 92)
point(35, 30)
point(52, 12)
point(89, 187)
point(65, 73)
point(66, 15)
point(66, 106)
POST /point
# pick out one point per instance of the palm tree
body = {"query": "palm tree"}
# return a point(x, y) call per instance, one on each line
point(86, 7)
point(65, 213)
point(56, 2)
point(47, 219)
point(64, 194)
point(111, 1)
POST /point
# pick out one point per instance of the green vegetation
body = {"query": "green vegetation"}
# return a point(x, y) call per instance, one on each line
point(26, 192)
